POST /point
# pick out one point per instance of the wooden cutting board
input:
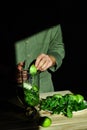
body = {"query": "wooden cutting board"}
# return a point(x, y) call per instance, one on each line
point(60, 122)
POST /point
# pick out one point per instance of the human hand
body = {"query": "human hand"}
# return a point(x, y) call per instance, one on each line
point(43, 62)
point(21, 74)
point(20, 66)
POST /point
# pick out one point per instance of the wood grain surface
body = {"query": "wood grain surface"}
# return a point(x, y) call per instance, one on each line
point(60, 122)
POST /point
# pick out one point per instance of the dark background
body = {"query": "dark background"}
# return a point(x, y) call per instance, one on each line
point(18, 23)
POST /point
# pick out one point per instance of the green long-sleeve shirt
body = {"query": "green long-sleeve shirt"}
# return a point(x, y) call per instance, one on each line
point(49, 42)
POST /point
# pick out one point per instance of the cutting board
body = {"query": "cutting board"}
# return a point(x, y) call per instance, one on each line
point(78, 120)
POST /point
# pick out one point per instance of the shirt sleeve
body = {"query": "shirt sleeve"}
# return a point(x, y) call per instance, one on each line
point(56, 47)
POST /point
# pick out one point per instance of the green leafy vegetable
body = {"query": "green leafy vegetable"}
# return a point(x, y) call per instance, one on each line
point(66, 104)
point(31, 97)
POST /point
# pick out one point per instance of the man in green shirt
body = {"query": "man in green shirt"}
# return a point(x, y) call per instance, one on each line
point(47, 49)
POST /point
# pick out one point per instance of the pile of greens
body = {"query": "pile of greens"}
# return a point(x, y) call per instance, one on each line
point(31, 96)
point(63, 104)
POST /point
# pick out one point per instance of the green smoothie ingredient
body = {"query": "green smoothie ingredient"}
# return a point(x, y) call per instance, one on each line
point(31, 97)
point(66, 104)
point(33, 69)
point(45, 121)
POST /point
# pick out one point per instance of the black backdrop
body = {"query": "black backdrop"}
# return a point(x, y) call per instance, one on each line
point(18, 23)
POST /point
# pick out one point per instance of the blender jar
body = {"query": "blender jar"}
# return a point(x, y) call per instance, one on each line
point(31, 90)
point(28, 88)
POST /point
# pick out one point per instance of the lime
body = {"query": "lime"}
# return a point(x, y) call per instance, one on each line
point(76, 97)
point(80, 98)
point(33, 69)
point(57, 95)
point(45, 121)
point(73, 97)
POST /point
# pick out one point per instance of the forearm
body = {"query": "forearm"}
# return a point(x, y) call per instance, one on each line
point(56, 48)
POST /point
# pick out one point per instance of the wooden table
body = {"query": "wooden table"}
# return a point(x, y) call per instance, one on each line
point(60, 122)
point(14, 120)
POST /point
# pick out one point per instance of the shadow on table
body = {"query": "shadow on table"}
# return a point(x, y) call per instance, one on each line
point(12, 117)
